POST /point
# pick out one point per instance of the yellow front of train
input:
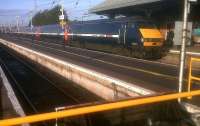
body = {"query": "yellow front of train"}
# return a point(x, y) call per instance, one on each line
point(152, 41)
point(151, 37)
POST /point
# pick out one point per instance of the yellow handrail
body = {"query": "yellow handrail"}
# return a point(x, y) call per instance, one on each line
point(96, 108)
point(190, 76)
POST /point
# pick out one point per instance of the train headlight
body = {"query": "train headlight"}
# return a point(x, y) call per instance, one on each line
point(142, 40)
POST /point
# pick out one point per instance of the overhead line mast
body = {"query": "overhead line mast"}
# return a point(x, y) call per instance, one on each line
point(62, 16)
point(184, 41)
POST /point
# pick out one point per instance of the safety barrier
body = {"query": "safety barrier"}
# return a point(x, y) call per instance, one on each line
point(190, 76)
point(96, 108)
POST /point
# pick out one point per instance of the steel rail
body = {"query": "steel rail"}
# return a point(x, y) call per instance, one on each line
point(19, 87)
point(33, 107)
point(52, 84)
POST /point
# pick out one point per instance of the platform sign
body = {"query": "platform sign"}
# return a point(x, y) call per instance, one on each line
point(178, 33)
point(61, 17)
point(192, 0)
point(62, 22)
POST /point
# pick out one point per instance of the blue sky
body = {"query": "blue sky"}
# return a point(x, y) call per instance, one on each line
point(9, 9)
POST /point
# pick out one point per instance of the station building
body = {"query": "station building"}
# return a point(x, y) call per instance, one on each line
point(167, 14)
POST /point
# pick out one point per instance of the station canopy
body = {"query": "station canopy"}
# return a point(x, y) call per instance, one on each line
point(155, 8)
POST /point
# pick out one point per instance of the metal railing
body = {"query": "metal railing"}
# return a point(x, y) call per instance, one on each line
point(96, 108)
point(190, 76)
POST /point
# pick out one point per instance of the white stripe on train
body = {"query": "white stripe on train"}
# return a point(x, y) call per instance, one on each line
point(72, 34)
point(95, 35)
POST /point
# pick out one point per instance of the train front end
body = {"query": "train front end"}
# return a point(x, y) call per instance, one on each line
point(151, 37)
point(152, 41)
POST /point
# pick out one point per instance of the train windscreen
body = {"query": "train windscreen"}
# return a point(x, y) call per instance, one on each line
point(146, 25)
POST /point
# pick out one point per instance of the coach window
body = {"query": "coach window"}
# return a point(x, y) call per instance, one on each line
point(133, 26)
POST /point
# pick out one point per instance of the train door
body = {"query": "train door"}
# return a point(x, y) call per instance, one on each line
point(123, 34)
point(130, 34)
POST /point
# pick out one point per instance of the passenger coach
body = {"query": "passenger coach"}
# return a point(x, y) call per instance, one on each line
point(135, 36)
point(138, 36)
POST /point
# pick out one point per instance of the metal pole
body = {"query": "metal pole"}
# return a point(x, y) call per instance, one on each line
point(31, 20)
point(34, 12)
point(31, 24)
point(62, 12)
point(182, 54)
point(35, 5)
point(5, 28)
point(17, 19)
point(56, 118)
point(2, 28)
point(10, 29)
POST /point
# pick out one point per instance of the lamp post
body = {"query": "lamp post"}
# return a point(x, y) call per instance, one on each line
point(17, 21)
point(184, 40)
point(31, 20)
point(62, 16)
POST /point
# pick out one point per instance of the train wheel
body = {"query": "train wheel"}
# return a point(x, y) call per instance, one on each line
point(83, 45)
point(142, 54)
point(135, 52)
point(131, 51)
point(157, 53)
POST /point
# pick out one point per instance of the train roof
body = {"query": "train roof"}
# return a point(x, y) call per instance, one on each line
point(124, 19)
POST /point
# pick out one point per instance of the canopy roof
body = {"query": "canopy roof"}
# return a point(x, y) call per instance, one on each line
point(138, 7)
point(116, 4)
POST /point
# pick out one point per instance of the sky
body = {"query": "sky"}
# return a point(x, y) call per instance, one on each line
point(10, 9)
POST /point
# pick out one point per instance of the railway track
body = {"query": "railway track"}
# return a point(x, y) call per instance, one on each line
point(36, 92)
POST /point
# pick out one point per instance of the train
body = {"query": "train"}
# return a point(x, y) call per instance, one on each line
point(132, 36)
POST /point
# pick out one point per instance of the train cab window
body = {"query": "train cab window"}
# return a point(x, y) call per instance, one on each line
point(133, 26)
point(146, 25)
point(129, 24)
